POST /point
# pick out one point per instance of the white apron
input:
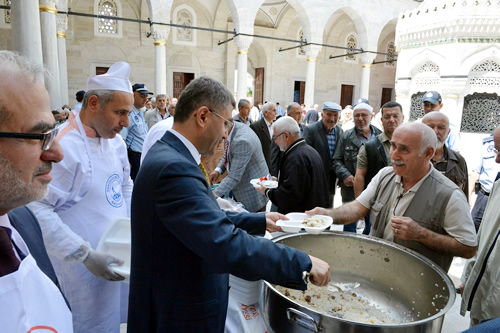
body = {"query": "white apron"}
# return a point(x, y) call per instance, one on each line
point(98, 305)
point(31, 302)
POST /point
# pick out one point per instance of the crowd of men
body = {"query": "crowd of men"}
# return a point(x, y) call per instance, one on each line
point(404, 181)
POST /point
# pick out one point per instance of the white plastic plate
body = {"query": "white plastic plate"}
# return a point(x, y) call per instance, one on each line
point(116, 241)
point(295, 224)
point(266, 183)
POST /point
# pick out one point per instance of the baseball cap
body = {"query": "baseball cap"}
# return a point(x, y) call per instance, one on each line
point(141, 87)
point(432, 96)
point(331, 106)
point(361, 100)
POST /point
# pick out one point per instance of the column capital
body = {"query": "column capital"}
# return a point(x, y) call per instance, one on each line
point(367, 59)
point(62, 23)
point(160, 32)
point(312, 52)
point(243, 43)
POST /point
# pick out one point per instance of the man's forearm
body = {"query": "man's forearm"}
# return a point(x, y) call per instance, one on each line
point(348, 213)
point(445, 244)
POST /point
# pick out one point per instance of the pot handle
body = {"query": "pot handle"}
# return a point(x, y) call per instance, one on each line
point(302, 319)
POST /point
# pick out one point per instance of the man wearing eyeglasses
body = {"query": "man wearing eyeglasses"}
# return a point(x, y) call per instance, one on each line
point(412, 203)
point(91, 188)
point(302, 182)
point(184, 245)
point(28, 148)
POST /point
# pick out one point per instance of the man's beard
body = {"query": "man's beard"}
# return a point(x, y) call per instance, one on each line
point(15, 192)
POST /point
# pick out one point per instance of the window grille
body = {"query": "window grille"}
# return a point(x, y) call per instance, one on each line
point(481, 113)
point(352, 43)
point(391, 48)
point(109, 9)
point(6, 12)
point(184, 18)
point(416, 110)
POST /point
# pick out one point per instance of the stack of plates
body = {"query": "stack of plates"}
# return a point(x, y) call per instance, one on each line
point(116, 241)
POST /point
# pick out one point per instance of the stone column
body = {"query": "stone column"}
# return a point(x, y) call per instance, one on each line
point(49, 48)
point(366, 60)
point(243, 43)
point(25, 26)
point(403, 98)
point(311, 52)
point(62, 25)
point(160, 35)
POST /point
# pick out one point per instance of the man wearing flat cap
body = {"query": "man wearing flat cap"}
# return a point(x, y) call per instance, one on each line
point(432, 101)
point(323, 137)
point(135, 133)
point(91, 188)
point(346, 152)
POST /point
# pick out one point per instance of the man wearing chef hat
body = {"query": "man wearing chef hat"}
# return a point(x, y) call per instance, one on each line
point(28, 147)
point(91, 187)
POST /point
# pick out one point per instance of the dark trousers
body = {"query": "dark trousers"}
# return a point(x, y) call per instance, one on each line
point(134, 159)
point(478, 209)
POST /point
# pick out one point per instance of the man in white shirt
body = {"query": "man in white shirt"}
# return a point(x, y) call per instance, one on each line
point(413, 204)
point(91, 188)
point(28, 147)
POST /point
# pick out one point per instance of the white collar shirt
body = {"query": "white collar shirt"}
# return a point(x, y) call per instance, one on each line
point(192, 149)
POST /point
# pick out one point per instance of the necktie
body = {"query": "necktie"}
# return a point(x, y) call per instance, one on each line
point(204, 172)
point(226, 148)
point(8, 260)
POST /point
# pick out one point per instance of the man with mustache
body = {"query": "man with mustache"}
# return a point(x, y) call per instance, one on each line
point(450, 163)
point(412, 203)
point(374, 155)
point(323, 137)
point(28, 147)
point(91, 188)
point(346, 153)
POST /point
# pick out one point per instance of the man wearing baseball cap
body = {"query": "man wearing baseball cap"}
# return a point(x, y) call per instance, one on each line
point(91, 187)
point(135, 134)
point(432, 101)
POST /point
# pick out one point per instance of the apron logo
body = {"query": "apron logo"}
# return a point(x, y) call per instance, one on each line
point(113, 191)
point(40, 329)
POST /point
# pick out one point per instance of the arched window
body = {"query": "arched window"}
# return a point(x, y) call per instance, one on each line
point(184, 15)
point(391, 48)
point(107, 24)
point(352, 43)
point(300, 50)
point(6, 12)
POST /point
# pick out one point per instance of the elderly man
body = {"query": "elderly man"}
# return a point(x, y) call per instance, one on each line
point(243, 116)
point(432, 101)
point(323, 137)
point(136, 131)
point(264, 132)
point(243, 160)
point(346, 152)
point(412, 203)
point(448, 162)
point(161, 112)
point(295, 111)
point(480, 276)
point(374, 155)
point(28, 147)
point(91, 188)
point(184, 244)
point(302, 182)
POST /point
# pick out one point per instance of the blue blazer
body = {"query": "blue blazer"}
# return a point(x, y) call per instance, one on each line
point(184, 246)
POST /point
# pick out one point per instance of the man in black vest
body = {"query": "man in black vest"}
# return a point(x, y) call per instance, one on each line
point(412, 203)
point(375, 153)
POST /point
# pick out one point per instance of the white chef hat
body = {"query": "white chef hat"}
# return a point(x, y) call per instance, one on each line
point(363, 106)
point(115, 79)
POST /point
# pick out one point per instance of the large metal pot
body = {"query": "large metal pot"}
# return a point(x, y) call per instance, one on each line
point(394, 277)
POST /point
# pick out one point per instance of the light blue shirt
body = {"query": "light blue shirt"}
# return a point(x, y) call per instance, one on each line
point(453, 140)
point(135, 133)
point(486, 167)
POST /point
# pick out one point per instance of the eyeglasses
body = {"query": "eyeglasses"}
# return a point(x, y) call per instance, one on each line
point(277, 136)
point(47, 138)
point(228, 123)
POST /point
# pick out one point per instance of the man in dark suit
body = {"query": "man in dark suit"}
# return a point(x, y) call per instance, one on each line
point(28, 147)
point(302, 180)
point(323, 137)
point(263, 130)
point(183, 244)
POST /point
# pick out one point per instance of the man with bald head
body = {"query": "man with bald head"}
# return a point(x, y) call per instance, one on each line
point(413, 204)
point(346, 152)
point(447, 161)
